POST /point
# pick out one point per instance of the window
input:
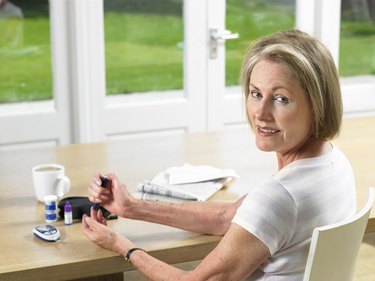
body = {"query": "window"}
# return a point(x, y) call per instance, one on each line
point(25, 53)
point(143, 45)
point(357, 38)
point(103, 50)
point(253, 19)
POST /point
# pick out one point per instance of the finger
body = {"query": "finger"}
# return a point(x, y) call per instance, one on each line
point(85, 226)
point(96, 178)
point(90, 223)
point(114, 182)
point(94, 199)
point(93, 190)
point(94, 186)
point(94, 214)
point(101, 217)
point(112, 176)
point(116, 185)
point(100, 179)
point(97, 194)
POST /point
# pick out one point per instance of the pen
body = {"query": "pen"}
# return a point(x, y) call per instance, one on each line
point(104, 184)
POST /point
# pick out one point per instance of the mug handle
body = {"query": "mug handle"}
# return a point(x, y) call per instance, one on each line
point(64, 187)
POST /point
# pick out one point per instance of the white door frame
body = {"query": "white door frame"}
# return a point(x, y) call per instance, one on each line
point(224, 105)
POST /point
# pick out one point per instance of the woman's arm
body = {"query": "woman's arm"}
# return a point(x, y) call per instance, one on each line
point(237, 255)
point(203, 217)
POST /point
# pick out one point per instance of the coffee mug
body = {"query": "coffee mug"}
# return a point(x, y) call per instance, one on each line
point(50, 179)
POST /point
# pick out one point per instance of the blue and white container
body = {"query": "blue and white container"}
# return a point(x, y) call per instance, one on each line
point(50, 202)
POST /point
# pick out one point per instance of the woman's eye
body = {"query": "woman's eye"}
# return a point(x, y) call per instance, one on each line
point(255, 94)
point(282, 99)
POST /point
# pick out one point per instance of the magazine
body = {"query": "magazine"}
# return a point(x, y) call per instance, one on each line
point(186, 183)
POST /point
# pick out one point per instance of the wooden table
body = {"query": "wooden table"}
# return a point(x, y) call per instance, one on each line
point(23, 257)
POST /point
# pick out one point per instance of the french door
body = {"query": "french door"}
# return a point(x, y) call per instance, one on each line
point(83, 110)
point(100, 116)
point(201, 104)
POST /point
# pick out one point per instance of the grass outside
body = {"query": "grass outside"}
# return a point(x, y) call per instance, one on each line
point(144, 52)
point(25, 70)
point(262, 20)
point(357, 49)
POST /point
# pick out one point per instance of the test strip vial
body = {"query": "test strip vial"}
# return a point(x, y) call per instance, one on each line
point(68, 214)
point(50, 208)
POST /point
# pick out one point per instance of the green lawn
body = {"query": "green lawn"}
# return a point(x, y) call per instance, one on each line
point(263, 19)
point(357, 49)
point(145, 52)
point(25, 70)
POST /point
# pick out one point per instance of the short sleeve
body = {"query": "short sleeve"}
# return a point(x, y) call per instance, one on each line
point(269, 213)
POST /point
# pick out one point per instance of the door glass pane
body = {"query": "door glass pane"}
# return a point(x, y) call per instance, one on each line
point(253, 19)
point(357, 38)
point(143, 45)
point(25, 54)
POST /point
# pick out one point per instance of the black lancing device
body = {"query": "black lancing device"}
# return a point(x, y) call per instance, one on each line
point(104, 184)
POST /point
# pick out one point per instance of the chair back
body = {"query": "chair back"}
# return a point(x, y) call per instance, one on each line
point(334, 248)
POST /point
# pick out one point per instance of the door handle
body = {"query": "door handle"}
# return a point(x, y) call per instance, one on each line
point(217, 38)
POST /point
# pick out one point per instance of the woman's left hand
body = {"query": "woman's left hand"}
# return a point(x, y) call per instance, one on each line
point(96, 229)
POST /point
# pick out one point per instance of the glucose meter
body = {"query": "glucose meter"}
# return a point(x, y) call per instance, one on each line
point(47, 233)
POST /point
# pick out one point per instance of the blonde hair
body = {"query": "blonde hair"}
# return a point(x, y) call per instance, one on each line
point(314, 68)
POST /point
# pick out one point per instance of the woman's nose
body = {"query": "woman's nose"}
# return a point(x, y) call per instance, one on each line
point(263, 110)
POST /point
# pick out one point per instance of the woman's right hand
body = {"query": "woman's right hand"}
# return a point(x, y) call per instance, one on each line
point(114, 197)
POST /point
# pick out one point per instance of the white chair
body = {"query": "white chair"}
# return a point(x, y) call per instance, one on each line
point(334, 248)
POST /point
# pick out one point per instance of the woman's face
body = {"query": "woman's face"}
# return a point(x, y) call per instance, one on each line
point(278, 108)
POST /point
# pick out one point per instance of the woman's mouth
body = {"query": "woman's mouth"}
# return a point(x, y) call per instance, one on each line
point(265, 131)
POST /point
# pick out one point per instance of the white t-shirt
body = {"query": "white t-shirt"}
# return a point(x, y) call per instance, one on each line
point(283, 211)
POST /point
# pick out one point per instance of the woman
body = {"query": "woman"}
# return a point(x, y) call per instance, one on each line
point(294, 107)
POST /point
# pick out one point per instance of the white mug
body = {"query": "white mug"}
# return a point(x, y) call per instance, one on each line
point(50, 179)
